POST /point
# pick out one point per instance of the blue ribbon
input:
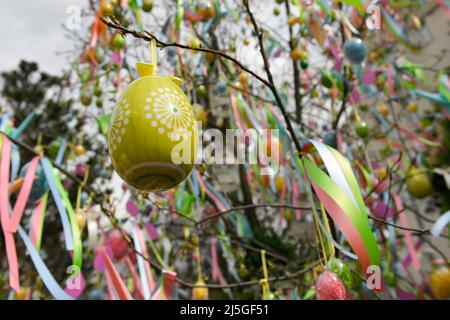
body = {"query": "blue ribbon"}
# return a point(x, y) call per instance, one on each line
point(58, 201)
point(440, 224)
point(5, 120)
point(15, 162)
point(17, 132)
point(61, 151)
point(50, 282)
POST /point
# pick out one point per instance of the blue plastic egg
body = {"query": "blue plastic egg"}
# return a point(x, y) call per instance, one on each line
point(83, 197)
point(331, 139)
point(221, 87)
point(355, 50)
point(97, 295)
point(171, 52)
point(40, 185)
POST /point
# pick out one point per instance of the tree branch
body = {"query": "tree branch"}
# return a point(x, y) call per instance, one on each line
point(147, 36)
point(271, 85)
point(297, 97)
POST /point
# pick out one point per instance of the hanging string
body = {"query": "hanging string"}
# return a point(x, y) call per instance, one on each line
point(327, 226)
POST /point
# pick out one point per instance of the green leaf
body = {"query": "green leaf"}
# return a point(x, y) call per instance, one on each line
point(103, 123)
point(356, 3)
point(309, 294)
point(186, 204)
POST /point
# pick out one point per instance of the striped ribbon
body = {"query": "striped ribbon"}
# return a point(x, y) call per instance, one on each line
point(340, 194)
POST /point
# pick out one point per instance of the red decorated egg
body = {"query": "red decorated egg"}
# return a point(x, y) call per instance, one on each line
point(329, 287)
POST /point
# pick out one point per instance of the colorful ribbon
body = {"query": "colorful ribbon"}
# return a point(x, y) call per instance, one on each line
point(341, 196)
point(116, 280)
point(10, 221)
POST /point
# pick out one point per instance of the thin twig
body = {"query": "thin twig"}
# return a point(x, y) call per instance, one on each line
point(418, 231)
point(296, 75)
point(271, 84)
point(147, 36)
point(244, 207)
point(100, 199)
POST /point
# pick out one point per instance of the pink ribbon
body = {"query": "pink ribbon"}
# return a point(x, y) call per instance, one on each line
point(134, 275)
point(148, 271)
point(369, 77)
point(336, 52)
point(116, 280)
point(164, 291)
point(215, 263)
point(406, 233)
point(345, 225)
point(10, 222)
point(296, 192)
point(219, 204)
point(94, 35)
point(340, 142)
point(282, 201)
point(110, 287)
point(443, 6)
point(35, 232)
point(240, 123)
point(170, 195)
point(192, 17)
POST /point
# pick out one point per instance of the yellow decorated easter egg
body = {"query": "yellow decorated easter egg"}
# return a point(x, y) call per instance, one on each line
point(153, 133)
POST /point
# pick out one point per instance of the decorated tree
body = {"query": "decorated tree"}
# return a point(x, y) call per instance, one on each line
point(332, 181)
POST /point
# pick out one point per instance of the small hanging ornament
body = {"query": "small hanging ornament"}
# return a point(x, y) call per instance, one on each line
point(200, 292)
point(147, 5)
point(331, 139)
point(119, 246)
point(264, 282)
point(355, 50)
point(40, 186)
point(329, 287)
point(153, 133)
point(440, 282)
point(97, 295)
point(418, 183)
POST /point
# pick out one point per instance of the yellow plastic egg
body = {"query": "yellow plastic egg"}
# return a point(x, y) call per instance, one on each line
point(200, 114)
point(81, 220)
point(383, 110)
point(210, 57)
point(412, 107)
point(106, 9)
point(292, 20)
point(279, 183)
point(440, 283)
point(194, 42)
point(39, 149)
point(288, 214)
point(21, 294)
point(243, 77)
point(153, 133)
point(382, 174)
point(79, 150)
point(200, 292)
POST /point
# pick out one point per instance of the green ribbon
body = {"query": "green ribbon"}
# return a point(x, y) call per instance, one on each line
point(77, 246)
point(348, 207)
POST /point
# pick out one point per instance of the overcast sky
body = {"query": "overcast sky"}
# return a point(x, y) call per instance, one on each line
point(32, 29)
